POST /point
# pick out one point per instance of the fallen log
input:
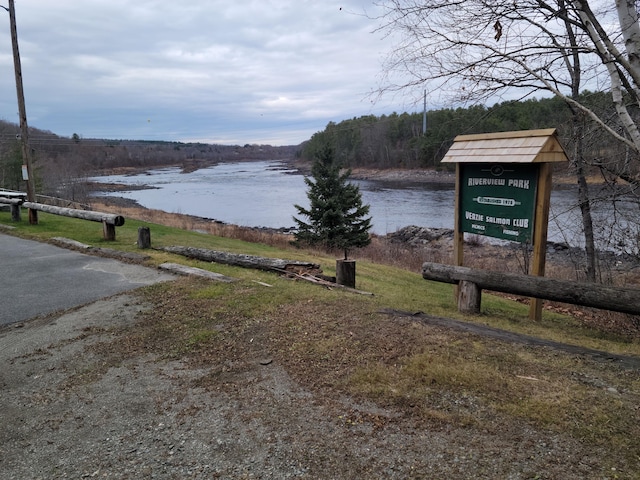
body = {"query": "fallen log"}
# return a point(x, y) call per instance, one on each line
point(198, 272)
point(616, 299)
point(243, 260)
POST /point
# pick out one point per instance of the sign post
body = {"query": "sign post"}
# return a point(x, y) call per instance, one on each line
point(503, 190)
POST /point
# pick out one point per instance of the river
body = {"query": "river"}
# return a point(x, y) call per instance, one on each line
point(263, 194)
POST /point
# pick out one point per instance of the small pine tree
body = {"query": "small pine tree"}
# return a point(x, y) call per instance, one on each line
point(11, 167)
point(336, 218)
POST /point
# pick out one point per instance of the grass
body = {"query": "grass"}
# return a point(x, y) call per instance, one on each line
point(395, 288)
point(338, 343)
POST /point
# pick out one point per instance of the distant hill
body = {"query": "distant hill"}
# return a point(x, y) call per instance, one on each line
point(100, 154)
point(59, 161)
point(388, 141)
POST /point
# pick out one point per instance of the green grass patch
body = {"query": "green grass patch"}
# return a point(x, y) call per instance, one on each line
point(392, 287)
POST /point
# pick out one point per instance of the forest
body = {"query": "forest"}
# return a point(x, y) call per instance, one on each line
point(397, 140)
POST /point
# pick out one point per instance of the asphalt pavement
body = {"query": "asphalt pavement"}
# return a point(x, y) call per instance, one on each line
point(37, 278)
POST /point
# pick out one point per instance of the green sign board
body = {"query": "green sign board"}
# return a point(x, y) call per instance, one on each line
point(498, 200)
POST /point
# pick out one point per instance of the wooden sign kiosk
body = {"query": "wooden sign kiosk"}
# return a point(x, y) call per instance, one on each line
point(503, 190)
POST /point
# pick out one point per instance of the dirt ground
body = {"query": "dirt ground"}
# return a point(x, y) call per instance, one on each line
point(70, 409)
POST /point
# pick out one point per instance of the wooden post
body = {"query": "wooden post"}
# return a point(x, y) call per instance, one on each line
point(346, 273)
point(458, 234)
point(540, 230)
point(469, 298)
point(109, 231)
point(144, 237)
point(15, 212)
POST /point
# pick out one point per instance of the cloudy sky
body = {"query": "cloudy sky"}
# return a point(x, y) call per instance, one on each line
point(230, 72)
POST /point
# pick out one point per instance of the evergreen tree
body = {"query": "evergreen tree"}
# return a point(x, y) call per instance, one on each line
point(336, 218)
point(11, 167)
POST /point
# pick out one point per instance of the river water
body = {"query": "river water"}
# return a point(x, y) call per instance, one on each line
point(263, 194)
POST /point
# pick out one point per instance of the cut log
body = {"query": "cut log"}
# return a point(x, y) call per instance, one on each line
point(243, 260)
point(469, 297)
point(11, 201)
point(346, 273)
point(616, 299)
point(144, 237)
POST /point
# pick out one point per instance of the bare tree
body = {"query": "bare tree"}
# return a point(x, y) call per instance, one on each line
point(468, 51)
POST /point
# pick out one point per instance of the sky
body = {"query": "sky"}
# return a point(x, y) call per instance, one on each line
point(226, 72)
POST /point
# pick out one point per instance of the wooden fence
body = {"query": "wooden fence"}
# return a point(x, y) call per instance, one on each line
point(109, 220)
point(472, 281)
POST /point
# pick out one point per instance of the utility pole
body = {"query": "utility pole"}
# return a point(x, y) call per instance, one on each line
point(424, 115)
point(24, 128)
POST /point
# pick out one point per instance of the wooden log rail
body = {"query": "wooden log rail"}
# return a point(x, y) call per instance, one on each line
point(616, 299)
point(109, 220)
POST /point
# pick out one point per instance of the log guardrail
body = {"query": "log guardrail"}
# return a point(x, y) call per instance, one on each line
point(109, 220)
point(472, 281)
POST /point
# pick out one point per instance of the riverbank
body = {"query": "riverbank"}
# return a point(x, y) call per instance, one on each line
point(404, 175)
point(399, 200)
point(561, 176)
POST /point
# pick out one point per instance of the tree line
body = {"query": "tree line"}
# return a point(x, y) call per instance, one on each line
point(398, 141)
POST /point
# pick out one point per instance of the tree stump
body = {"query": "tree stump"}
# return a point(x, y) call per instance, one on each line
point(346, 273)
point(144, 237)
point(469, 297)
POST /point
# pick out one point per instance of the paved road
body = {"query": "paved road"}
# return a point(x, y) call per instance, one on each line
point(38, 278)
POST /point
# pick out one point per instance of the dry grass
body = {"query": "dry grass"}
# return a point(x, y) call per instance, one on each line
point(430, 376)
point(189, 222)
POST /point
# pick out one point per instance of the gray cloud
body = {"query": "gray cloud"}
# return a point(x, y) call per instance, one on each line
point(226, 72)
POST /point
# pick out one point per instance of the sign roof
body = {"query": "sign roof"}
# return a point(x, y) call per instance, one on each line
point(524, 146)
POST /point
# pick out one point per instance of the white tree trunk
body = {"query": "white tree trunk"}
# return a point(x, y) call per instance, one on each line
point(612, 59)
point(630, 29)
